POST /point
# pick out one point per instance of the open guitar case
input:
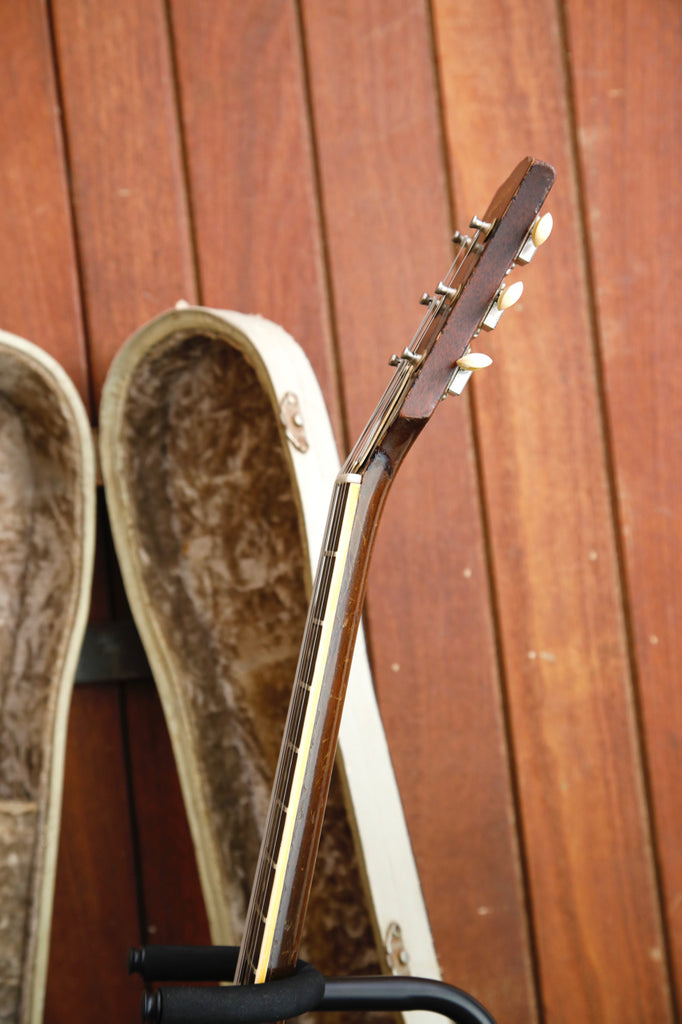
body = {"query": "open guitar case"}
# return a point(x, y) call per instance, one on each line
point(218, 460)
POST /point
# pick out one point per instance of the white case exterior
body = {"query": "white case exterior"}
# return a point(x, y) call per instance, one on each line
point(373, 802)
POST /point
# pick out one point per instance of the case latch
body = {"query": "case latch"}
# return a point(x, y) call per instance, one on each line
point(292, 420)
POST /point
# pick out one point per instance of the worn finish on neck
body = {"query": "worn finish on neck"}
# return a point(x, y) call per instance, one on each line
point(287, 857)
point(424, 373)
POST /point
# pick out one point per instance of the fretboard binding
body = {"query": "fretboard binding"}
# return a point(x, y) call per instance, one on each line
point(268, 889)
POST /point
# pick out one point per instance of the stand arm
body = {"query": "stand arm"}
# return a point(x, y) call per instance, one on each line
point(282, 998)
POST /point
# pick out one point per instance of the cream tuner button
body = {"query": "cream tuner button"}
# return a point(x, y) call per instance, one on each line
point(543, 229)
point(474, 361)
point(510, 296)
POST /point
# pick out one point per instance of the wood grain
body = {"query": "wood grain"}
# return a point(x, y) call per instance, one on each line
point(173, 904)
point(307, 142)
point(387, 214)
point(133, 232)
point(251, 171)
point(563, 639)
point(39, 299)
point(95, 898)
point(38, 282)
point(126, 167)
point(626, 74)
point(259, 248)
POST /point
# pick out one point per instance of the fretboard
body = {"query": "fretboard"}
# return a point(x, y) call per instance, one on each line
point(265, 949)
point(426, 372)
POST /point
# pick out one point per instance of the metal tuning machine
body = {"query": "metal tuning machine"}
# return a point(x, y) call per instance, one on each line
point(540, 231)
point(506, 297)
point(413, 358)
point(466, 365)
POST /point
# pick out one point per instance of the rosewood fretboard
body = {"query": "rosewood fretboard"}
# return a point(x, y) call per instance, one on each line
point(293, 822)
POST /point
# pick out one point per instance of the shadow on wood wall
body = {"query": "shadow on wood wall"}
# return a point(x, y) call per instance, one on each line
point(308, 163)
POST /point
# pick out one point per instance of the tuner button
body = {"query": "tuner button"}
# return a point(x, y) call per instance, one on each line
point(474, 361)
point(542, 229)
point(426, 299)
point(510, 296)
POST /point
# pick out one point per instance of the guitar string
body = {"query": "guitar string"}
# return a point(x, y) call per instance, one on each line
point(307, 658)
point(358, 453)
point(284, 773)
point(276, 819)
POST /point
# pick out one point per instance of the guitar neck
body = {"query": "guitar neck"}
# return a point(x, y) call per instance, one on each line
point(437, 362)
point(287, 858)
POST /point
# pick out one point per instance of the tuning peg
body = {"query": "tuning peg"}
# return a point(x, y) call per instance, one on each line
point(426, 299)
point(414, 358)
point(485, 226)
point(506, 297)
point(474, 361)
point(540, 231)
point(510, 296)
point(459, 239)
point(466, 365)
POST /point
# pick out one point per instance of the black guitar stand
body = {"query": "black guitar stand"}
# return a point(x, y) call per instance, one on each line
point(282, 998)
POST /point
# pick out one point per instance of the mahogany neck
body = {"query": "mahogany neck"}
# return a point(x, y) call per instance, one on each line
point(286, 861)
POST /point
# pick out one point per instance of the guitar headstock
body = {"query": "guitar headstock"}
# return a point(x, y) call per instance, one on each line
point(474, 295)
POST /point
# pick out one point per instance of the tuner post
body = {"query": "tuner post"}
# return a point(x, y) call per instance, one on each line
point(484, 226)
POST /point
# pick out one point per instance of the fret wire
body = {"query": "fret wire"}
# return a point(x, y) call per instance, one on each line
point(326, 570)
point(313, 637)
point(277, 818)
point(319, 602)
point(261, 893)
point(276, 823)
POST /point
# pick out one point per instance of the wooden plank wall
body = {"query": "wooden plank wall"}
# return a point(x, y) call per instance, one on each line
point(308, 161)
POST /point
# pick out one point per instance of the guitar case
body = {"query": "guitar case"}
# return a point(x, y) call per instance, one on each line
point(47, 531)
point(218, 461)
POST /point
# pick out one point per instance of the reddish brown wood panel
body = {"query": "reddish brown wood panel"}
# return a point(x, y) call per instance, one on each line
point(172, 902)
point(39, 280)
point(96, 896)
point(285, 282)
point(385, 204)
point(251, 172)
point(125, 159)
point(95, 890)
point(626, 74)
point(131, 216)
point(563, 639)
point(524, 598)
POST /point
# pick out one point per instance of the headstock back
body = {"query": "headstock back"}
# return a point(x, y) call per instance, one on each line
point(469, 300)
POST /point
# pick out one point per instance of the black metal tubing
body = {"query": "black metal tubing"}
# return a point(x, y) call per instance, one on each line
point(284, 997)
point(403, 993)
point(184, 963)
